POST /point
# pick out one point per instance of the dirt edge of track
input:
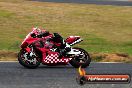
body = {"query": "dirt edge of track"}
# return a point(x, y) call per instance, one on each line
point(96, 57)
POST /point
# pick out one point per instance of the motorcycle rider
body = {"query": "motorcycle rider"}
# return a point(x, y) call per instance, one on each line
point(62, 49)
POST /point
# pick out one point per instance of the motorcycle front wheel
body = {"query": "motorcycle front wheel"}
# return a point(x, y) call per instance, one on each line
point(27, 61)
point(82, 59)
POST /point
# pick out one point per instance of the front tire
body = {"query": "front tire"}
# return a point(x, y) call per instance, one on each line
point(26, 63)
point(77, 60)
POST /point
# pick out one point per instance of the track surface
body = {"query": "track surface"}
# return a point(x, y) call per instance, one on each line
point(13, 75)
point(98, 2)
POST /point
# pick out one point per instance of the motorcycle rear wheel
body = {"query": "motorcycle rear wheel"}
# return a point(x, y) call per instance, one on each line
point(26, 63)
point(77, 61)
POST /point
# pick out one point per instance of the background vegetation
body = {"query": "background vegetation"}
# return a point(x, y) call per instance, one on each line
point(105, 29)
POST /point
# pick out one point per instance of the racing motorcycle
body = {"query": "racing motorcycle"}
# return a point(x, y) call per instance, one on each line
point(38, 48)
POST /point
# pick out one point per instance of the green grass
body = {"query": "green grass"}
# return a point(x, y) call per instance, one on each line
point(5, 14)
point(105, 29)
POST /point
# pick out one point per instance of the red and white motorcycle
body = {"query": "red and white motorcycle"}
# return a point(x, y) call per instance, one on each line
point(36, 48)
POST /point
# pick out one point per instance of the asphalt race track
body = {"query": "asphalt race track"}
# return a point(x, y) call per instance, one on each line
point(13, 75)
point(98, 2)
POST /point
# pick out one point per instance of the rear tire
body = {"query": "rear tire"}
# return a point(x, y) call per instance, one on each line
point(23, 63)
point(75, 61)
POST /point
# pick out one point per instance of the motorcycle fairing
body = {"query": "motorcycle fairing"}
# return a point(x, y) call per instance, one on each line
point(74, 52)
point(71, 40)
point(53, 58)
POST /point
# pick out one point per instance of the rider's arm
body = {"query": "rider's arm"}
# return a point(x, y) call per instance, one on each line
point(40, 35)
point(43, 34)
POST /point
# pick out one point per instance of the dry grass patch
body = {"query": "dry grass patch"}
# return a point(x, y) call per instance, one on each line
point(105, 57)
point(8, 56)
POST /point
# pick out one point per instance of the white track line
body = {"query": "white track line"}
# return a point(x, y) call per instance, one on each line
point(107, 62)
point(91, 62)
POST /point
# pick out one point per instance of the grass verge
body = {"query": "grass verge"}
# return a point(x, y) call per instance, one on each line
point(105, 29)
